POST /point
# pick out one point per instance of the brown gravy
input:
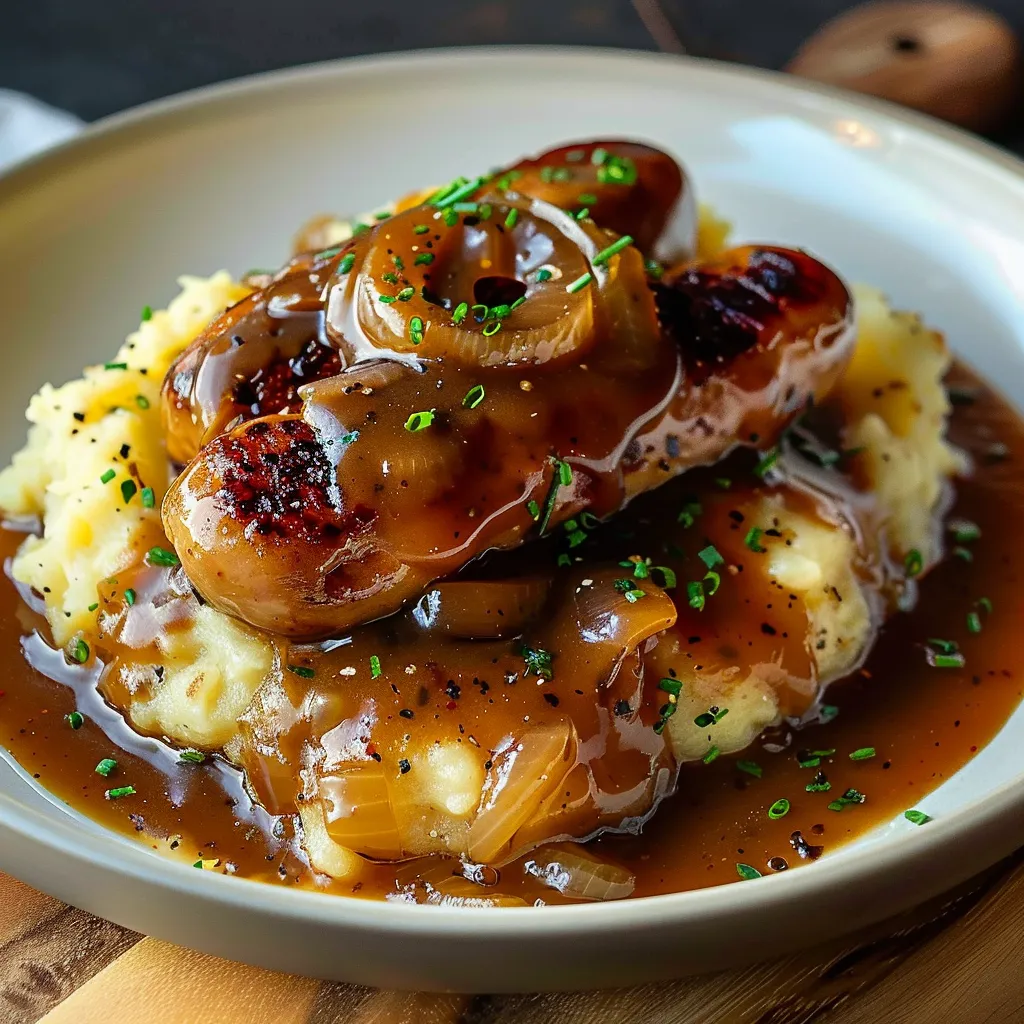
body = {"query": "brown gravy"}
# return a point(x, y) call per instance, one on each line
point(925, 723)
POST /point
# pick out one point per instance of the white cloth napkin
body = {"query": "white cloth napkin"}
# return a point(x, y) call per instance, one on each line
point(28, 126)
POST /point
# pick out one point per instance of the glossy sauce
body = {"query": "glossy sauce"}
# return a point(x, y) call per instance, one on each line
point(923, 722)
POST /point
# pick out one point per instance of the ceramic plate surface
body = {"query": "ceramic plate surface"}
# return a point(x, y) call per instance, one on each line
point(222, 178)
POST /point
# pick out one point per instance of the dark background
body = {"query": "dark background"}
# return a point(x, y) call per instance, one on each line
point(94, 57)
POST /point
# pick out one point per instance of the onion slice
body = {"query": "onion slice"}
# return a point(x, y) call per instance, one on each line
point(580, 875)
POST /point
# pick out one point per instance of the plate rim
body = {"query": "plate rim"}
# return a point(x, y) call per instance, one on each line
point(911, 851)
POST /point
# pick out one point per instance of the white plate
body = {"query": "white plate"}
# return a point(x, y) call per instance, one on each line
point(222, 177)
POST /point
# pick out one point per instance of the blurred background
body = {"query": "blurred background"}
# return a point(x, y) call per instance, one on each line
point(96, 58)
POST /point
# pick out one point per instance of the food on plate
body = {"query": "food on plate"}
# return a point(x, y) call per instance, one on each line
point(459, 551)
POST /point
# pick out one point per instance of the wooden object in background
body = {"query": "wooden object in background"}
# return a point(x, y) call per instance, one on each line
point(953, 60)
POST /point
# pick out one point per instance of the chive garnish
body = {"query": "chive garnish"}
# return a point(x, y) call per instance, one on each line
point(751, 768)
point(148, 497)
point(917, 817)
point(416, 330)
point(142, 401)
point(161, 556)
point(390, 277)
point(405, 294)
point(474, 396)
point(128, 490)
point(711, 577)
point(115, 366)
point(779, 809)
point(913, 563)
point(347, 263)
point(711, 755)
point(460, 313)
point(419, 420)
point(753, 540)
point(76, 719)
point(544, 274)
point(302, 671)
point(616, 247)
point(421, 229)
point(107, 476)
point(94, 606)
point(695, 595)
point(105, 767)
point(386, 299)
point(710, 556)
point(586, 198)
point(580, 283)
point(534, 509)
point(746, 872)
point(561, 477)
point(491, 329)
point(513, 216)
point(147, 313)
point(129, 597)
point(948, 660)
point(191, 756)
point(350, 438)
point(583, 214)
point(374, 666)
point(767, 462)
point(80, 651)
point(689, 514)
point(964, 531)
point(672, 686)
point(862, 754)
point(120, 791)
point(459, 193)
point(668, 576)
point(423, 259)
point(973, 622)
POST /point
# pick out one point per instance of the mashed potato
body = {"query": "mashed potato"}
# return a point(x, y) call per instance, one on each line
point(94, 471)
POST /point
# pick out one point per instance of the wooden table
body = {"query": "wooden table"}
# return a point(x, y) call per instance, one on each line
point(956, 960)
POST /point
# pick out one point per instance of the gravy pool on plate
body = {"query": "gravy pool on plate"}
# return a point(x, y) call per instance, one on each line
point(494, 562)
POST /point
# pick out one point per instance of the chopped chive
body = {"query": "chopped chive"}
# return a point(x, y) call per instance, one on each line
point(105, 767)
point(416, 330)
point(672, 686)
point(115, 366)
point(580, 283)
point(689, 514)
point(466, 207)
point(617, 170)
point(746, 872)
point(374, 666)
point(485, 211)
point(350, 438)
point(964, 531)
point(302, 671)
point(76, 719)
point(564, 473)
point(948, 660)
point(544, 274)
point(818, 787)
point(695, 595)
point(704, 719)
point(451, 218)
point(964, 554)
point(386, 299)
point(191, 756)
point(161, 556)
point(654, 269)
point(632, 596)
point(423, 259)
point(616, 247)
point(753, 540)
point(534, 509)
point(973, 622)
point(107, 476)
point(128, 490)
point(779, 809)
point(917, 817)
point(94, 606)
point(390, 277)
point(129, 597)
point(142, 401)
point(80, 651)
point(147, 313)
point(513, 216)
point(711, 577)
point(582, 214)
point(913, 563)
point(474, 396)
point(148, 497)
point(557, 478)
point(767, 462)
point(120, 791)
point(538, 661)
point(985, 605)
point(710, 556)
point(421, 229)
point(405, 294)
point(586, 198)
point(751, 768)
point(459, 193)
point(491, 329)
point(460, 313)
point(347, 263)
point(668, 576)
point(863, 754)
point(419, 420)
point(712, 755)
point(599, 156)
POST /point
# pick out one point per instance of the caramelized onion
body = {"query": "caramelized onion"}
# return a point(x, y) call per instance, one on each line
point(523, 774)
point(358, 810)
point(579, 875)
point(482, 609)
